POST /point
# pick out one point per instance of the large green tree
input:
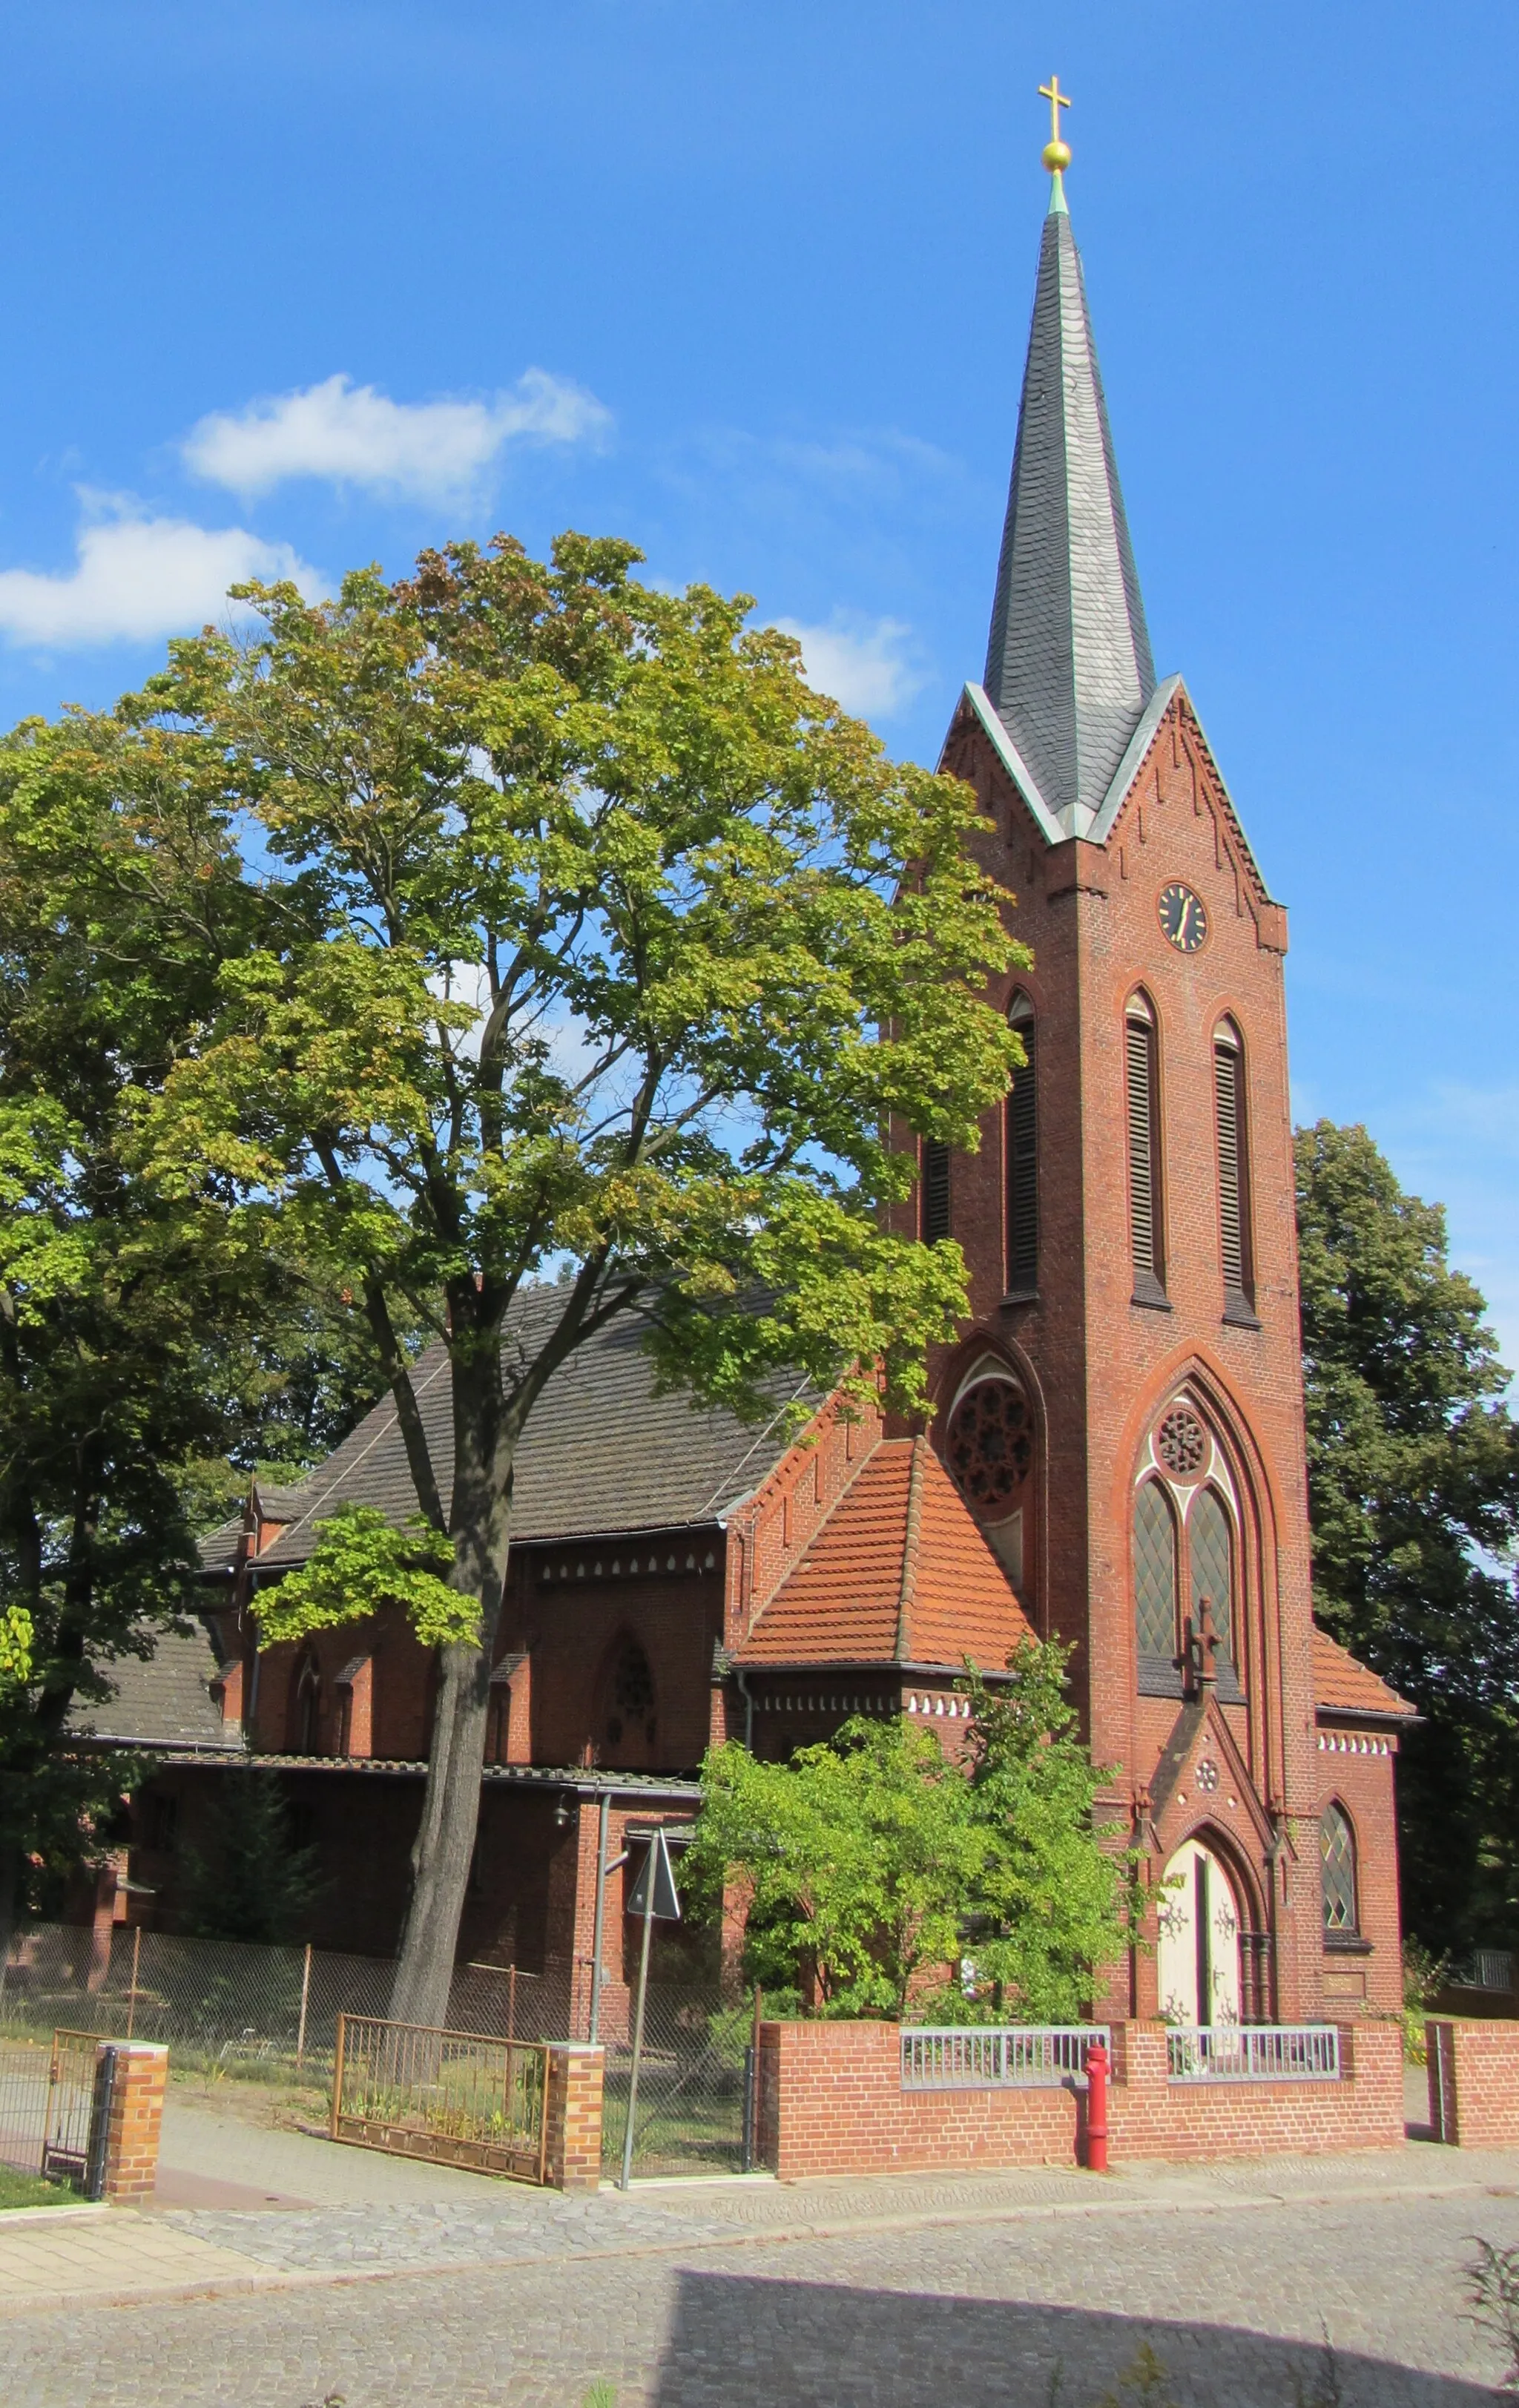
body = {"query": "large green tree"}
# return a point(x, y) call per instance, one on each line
point(596, 945)
point(119, 896)
point(1414, 1485)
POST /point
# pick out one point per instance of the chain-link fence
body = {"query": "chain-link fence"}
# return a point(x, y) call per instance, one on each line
point(229, 2007)
point(240, 2008)
point(690, 2117)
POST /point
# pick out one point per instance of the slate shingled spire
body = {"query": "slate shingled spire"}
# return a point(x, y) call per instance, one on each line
point(1068, 668)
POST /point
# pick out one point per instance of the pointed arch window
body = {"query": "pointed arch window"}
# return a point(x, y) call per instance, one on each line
point(933, 1192)
point(1210, 1563)
point(1186, 1553)
point(1235, 1249)
point(1336, 1843)
point(629, 1726)
point(1154, 1576)
point(307, 1708)
point(1022, 1159)
point(1145, 1199)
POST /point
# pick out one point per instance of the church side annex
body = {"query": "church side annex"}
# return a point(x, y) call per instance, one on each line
point(1117, 1457)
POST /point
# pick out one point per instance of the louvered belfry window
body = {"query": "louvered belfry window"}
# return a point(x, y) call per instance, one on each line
point(1145, 1197)
point(933, 1192)
point(1233, 1165)
point(1022, 1161)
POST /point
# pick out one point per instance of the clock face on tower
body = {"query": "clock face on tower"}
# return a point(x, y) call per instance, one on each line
point(1183, 917)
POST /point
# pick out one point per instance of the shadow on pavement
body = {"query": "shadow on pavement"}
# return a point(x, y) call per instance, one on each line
point(737, 2342)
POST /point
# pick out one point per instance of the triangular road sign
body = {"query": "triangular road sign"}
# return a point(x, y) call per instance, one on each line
point(656, 1871)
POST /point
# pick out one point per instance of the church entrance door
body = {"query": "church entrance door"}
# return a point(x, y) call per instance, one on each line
point(1199, 1940)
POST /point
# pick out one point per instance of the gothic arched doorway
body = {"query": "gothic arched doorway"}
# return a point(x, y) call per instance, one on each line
point(1200, 1924)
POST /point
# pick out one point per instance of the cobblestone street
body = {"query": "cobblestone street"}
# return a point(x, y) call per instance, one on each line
point(871, 2296)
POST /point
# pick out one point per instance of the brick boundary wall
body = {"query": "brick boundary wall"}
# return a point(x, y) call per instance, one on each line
point(1474, 2082)
point(831, 2102)
point(572, 2160)
point(137, 2119)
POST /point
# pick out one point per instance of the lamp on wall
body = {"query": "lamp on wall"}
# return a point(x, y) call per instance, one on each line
point(562, 1811)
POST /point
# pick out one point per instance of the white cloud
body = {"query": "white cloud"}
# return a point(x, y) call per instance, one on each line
point(426, 452)
point(137, 577)
point(864, 664)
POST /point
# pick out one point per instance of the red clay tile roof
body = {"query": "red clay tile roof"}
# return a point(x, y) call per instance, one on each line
point(1343, 1686)
point(898, 1573)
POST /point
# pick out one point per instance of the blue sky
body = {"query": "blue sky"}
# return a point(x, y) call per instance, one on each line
point(312, 285)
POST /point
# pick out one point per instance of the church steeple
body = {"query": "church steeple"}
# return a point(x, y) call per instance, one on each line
point(1068, 668)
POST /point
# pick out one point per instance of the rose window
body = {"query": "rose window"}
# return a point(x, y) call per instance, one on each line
point(989, 1446)
point(1182, 1442)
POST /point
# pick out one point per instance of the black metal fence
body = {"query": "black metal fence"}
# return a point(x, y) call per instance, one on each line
point(52, 2107)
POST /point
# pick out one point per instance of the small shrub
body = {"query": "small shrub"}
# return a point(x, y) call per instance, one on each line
point(1492, 2304)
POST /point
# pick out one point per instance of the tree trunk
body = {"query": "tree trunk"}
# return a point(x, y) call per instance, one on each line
point(445, 1844)
point(480, 1517)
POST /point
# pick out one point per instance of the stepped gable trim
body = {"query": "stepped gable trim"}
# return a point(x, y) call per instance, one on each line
point(1347, 1690)
point(1180, 714)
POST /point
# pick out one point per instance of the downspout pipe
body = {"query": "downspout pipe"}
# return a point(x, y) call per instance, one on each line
point(742, 1679)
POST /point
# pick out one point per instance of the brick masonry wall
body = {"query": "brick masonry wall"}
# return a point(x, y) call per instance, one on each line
point(1360, 1779)
point(1099, 1367)
point(831, 2102)
point(1474, 2083)
point(573, 2156)
point(136, 2116)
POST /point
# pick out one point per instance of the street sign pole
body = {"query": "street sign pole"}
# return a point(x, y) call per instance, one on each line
point(638, 2036)
point(653, 1893)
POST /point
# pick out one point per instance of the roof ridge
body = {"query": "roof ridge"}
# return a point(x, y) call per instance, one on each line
point(911, 1531)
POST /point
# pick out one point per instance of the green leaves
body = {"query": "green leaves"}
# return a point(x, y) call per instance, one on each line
point(1413, 1480)
point(603, 939)
point(859, 1856)
point(361, 1563)
point(872, 1863)
point(16, 1637)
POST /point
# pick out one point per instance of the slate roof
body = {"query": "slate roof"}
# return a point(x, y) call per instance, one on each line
point(602, 1454)
point(162, 1702)
point(1068, 666)
point(899, 1573)
point(1343, 1686)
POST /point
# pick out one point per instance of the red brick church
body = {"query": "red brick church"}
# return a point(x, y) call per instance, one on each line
point(1117, 1454)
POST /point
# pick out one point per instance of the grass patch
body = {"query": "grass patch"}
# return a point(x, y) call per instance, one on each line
point(30, 2190)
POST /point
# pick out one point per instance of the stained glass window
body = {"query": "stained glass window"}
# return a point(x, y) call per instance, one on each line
point(1338, 1841)
point(1210, 1547)
point(1154, 1571)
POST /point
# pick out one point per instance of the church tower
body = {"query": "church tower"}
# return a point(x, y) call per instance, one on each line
point(1124, 1413)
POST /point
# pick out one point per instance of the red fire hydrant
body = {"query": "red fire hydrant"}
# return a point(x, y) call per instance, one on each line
point(1096, 2109)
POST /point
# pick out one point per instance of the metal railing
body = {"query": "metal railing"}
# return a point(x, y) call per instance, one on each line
point(457, 2098)
point(1490, 1969)
point(1254, 2052)
point(995, 2056)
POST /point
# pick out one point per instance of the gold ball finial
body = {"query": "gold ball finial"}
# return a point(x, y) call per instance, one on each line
point(1056, 152)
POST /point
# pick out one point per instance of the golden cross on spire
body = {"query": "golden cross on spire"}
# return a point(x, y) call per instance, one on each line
point(1056, 151)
